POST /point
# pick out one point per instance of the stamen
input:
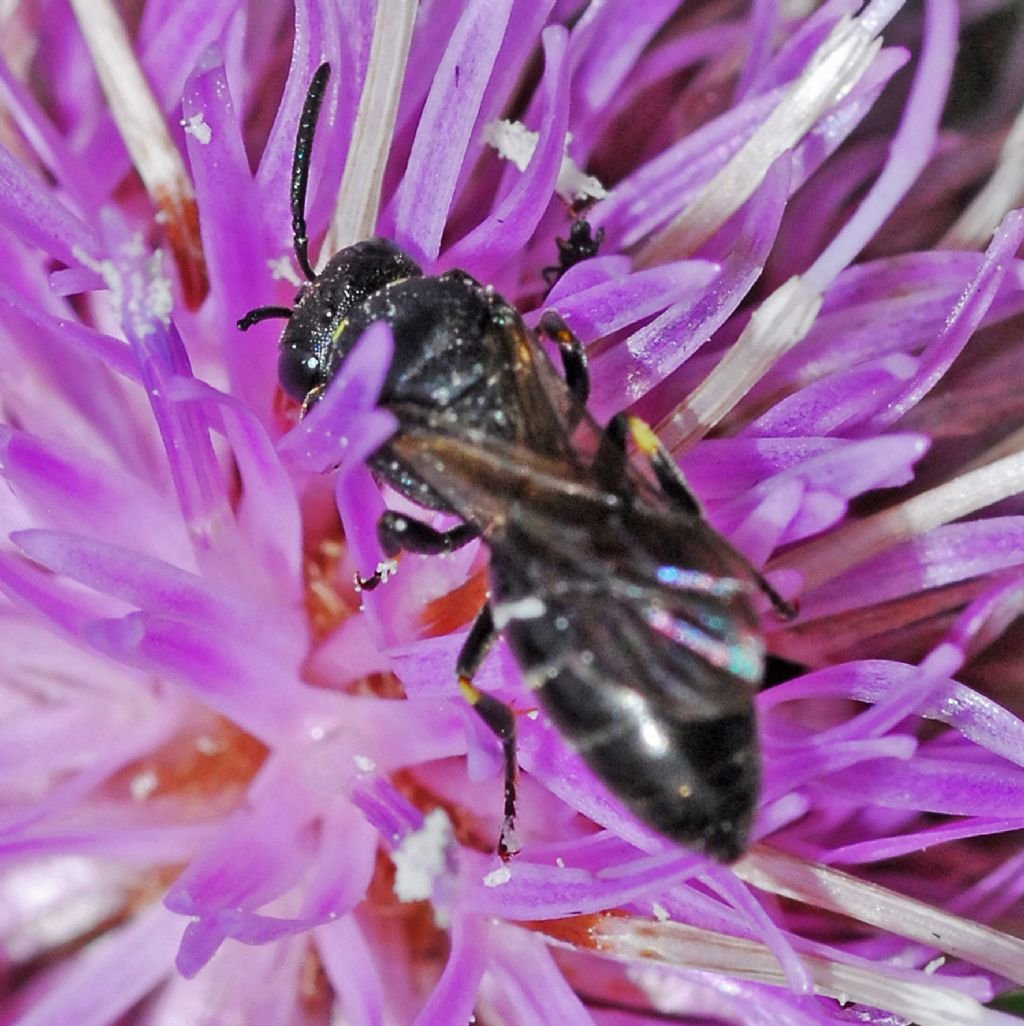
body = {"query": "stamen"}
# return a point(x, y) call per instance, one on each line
point(1003, 192)
point(775, 327)
point(914, 995)
point(830, 889)
point(355, 212)
point(783, 321)
point(837, 65)
point(835, 552)
point(144, 130)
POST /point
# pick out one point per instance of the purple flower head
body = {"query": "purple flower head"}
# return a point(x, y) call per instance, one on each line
point(236, 790)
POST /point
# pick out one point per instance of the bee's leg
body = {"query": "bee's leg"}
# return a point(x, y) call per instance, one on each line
point(498, 717)
point(574, 359)
point(399, 533)
point(665, 468)
point(673, 484)
point(610, 462)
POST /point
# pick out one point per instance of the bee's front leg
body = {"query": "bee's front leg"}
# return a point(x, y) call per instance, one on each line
point(398, 533)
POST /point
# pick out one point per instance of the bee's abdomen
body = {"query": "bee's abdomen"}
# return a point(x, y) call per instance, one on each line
point(694, 781)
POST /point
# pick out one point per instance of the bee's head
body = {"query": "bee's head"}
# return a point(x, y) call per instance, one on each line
point(321, 310)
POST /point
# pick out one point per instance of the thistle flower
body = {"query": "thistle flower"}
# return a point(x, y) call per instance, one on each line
point(233, 793)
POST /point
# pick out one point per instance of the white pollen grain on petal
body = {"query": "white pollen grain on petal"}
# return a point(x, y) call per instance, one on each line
point(282, 268)
point(143, 785)
point(498, 877)
point(422, 858)
point(512, 140)
point(195, 125)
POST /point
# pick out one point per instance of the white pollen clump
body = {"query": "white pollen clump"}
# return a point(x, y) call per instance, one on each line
point(497, 877)
point(207, 745)
point(159, 291)
point(364, 763)
point(282, 269)
point(515, 142)
point(195, 125)
point(660, 912)
point(143, 785)
point(422, 857)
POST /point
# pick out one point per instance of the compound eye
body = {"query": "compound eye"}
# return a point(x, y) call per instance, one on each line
point(298, 373)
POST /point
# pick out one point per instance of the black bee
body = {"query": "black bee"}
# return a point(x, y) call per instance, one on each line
point(581, 245)
point(632, 619)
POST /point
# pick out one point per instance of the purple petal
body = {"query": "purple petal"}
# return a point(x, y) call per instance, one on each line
point(233, 242)
point(443, 137)
point(454, 997)
point(343, 428)
point(29, 210)
point(510, 225)
point(112, 975)
point(630, 369)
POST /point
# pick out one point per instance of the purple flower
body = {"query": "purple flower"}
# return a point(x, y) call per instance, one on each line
point(237, 791)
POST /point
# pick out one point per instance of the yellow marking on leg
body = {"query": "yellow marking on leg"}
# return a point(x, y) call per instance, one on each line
point(470, 692)
point(644, 437)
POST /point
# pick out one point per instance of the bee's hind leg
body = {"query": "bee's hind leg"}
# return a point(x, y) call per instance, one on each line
point(498, 717)
point(610, 465)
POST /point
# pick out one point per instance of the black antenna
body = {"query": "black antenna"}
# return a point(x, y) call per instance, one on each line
point(262, 313)
point(300, 165)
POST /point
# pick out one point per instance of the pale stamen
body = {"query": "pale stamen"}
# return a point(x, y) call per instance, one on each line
point(1003, 192)
point(916, 996)
point(836, 67)
point(835, 891)
point(144, 130)
point(837, 551)
point(355, 212)
point(777, 325)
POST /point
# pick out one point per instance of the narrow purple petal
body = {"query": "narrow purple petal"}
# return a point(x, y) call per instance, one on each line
point(343, 426)
point(880, 849)
point(233, 240)
point(627, 371)
point(527, 984)
point(112, 352)
point(268, 513)
point(973, 715)
point(508, 228)
point(930, 785)
point(618, 302)
point(353, 970)
point(454, 997)
point(911, 145)
point(111, 976)
point(839, 402)
point(66, 489)
point(443, 136)
point(948, 554)
point(963, 321)
point(29, 210)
